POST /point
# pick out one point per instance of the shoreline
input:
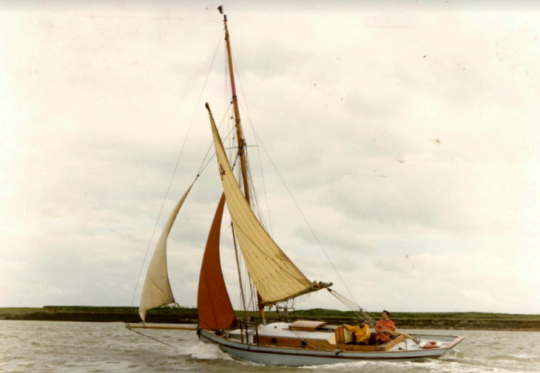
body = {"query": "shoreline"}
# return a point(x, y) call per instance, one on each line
point(418, 321)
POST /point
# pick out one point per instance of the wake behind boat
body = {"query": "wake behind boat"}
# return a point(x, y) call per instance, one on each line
point(273, 280)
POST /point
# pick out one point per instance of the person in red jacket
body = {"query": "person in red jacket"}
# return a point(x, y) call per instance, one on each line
point(383, 327)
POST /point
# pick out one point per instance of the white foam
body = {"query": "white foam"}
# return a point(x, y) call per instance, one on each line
point(524, 356)
point(206, 351)
point(474, 366)
point(435, 366)
point(358, 366)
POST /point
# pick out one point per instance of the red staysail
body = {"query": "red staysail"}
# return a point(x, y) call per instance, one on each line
point(213, 303)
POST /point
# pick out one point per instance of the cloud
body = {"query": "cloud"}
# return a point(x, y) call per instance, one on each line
point(407, 138)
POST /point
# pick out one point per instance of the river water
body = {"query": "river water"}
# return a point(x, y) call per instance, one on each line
point(35, 346)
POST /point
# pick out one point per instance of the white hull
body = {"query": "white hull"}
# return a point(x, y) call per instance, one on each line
point(271, 355)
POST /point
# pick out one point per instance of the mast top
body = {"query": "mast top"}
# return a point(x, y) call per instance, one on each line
point(220, 8)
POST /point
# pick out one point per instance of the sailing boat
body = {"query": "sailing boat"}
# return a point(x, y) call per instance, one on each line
point(276, 279)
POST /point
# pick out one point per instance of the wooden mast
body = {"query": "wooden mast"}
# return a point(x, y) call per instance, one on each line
point(239, 133)
point(239, 137)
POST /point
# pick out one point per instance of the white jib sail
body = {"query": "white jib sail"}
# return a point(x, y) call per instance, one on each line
point(157, 288)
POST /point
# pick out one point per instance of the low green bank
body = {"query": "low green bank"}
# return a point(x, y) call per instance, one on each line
point(403, 320)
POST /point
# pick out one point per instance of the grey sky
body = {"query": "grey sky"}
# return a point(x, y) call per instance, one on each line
point(407, 133)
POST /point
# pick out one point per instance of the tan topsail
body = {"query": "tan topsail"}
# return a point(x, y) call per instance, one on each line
point(272, 272)
point(157, 288)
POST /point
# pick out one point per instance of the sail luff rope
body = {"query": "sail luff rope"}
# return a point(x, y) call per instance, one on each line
point(174, 171)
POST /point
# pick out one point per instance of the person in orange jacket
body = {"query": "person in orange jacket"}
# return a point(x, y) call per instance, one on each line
point(361, 332)
point(383, 327)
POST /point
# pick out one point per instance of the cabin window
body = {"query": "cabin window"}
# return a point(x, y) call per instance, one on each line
point(274, 341)
point(304, 343)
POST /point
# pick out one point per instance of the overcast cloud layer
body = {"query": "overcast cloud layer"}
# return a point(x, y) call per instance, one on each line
point(408, 135)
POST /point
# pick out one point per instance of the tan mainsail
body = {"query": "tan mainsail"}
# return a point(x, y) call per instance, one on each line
point(157, 288)
point(272, 272)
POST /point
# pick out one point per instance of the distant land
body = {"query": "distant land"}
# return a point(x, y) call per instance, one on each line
point(403, 320)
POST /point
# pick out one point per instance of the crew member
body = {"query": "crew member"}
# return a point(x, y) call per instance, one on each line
point(383, 327)
point(361, 332)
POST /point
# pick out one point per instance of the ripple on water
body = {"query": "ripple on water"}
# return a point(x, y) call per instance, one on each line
point(99, 347)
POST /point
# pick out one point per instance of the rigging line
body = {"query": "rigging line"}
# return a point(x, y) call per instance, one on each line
point(349, 304)
point(226, 105)
point(259, 247)
point(353, 307)
point(251, 304)
point(252, 293)
point(357, 309)
point(147, 336)
point(260, 212)
point(206, 165)
point(264, 189)
point(202, 168)
point(367, 317)
point(239, 272)
point(304, 217)
point(248, 173)
point(249, 290)
point(243, 219)
point(258, 151)
point(227, 101)
point(255, 196)
point(174, 172)
point(260, 243)
point(283, 181)
point(269, 257)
